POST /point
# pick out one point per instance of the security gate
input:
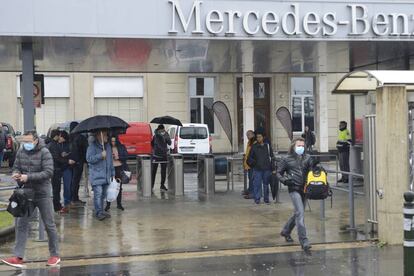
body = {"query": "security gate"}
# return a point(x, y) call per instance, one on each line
point(370, 173)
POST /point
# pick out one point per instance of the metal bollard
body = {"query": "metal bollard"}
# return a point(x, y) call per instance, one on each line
point(176, 174)
point(144, 182)
point(409, 233)
point(351, 204)
point(206, 173)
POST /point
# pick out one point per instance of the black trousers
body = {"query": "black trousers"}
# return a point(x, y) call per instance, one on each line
point(76, 178)
point(344, 163)
point(56, 186)
point(155, 168)
point(118, 171)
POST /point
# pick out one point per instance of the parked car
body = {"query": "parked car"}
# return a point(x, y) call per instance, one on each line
point(190, 139)
point(137, 139)
point(12, 144)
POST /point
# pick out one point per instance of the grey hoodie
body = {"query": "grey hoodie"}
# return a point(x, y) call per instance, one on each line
point(38, 165)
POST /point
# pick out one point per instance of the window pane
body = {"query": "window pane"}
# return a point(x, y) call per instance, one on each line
point(193, 133)
point(195, 110)
point(209, 87)
point(200, 87)
point(301, 86)
point(209, 114)
point(309, 113)
point(297, 113)
point(260, 91)
point(192, 86)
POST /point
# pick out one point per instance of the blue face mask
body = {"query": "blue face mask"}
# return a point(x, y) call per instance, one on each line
point(28, 146)
point(299, 150)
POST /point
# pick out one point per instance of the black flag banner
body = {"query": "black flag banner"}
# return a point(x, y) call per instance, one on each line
point(283, 115)
point(223, 115)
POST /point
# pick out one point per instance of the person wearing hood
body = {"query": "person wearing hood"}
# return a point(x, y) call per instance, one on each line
point(292, 172)
point(160, 143)
point(33, 169)
point(101, 170)
point(260, 160)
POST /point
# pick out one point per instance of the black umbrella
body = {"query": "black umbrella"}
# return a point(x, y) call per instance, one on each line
point(101, 122)
point(274, 185)
point(166, 120)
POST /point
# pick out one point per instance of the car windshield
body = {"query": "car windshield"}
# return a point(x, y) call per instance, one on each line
point(193, 133)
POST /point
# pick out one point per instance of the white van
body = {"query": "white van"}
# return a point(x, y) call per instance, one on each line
point(190, 139)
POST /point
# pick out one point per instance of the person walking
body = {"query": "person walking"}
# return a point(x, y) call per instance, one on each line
point(101, 170)
point(119, 159)
point(66, 168)
point(260, 160)
point(251, 140)
point(292, 172)
point(33, 169)
point(343, 145)
point(79, 145)
point(310, 139)
point(58, 162)
point(160, 143)
point(3, 141)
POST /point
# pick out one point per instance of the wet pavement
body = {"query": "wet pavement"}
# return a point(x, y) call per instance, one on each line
point(165, 224)
point(334, 259)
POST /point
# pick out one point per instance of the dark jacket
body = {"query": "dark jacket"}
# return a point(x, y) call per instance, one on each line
point(160, 145)
point(309, 137)
point(293, 169)
point(3, 138)
point(122, 155)
point(65, 148)
point(37, 164)
point(260, 157)
point(100, 170)
point(78, 146)
point(56, 150)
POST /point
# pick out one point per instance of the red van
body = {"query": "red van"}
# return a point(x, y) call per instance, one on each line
point(137, 138)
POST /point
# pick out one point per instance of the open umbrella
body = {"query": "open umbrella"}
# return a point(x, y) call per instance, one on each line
point(166, 120)
point(101, 122)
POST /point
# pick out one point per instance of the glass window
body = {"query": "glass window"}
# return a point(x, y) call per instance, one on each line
point(201, 101)
point(193, 133)
point(303, 103)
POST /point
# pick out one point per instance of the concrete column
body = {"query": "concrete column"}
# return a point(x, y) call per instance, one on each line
point(392, 160)
point(322, 99)
point(27, 86)
point(248, 105)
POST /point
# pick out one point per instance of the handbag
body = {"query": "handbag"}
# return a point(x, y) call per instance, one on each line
point(125, 177)
point(20, 202)
point(113, 190)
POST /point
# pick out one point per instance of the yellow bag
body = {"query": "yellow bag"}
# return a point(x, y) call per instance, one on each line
point(316, 186)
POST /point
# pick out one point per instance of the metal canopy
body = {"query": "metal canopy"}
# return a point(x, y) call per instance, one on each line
point(369, 80)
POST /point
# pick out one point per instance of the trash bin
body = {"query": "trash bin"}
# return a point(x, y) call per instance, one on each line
point(220, 165)
point(144, 175)
point(176, 174)
point(206, 173)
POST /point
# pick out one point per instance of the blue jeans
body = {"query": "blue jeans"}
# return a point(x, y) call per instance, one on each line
point(67, 186)
point(99, 197)
point(261, 178)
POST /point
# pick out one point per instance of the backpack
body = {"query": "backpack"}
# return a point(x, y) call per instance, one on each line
point(317, 186)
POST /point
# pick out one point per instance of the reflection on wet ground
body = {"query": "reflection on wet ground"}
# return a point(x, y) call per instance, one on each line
point(352, 259)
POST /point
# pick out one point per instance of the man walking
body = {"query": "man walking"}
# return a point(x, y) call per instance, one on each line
point(160, 143)
point(292, 172)
point(33, 169)
point(260, 159)
point(343, 144)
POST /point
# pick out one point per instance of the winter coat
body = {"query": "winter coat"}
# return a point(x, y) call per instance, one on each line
point(79, 146)
point(260, 157)
point(100, 170)
point(56, 150)
point(293, 170)
point(37, 164)
point(160, 145)
point(2, 140)
point(247, 154)
point(309, 137)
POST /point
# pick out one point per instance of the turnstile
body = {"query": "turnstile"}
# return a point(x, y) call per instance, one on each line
point(206, 173)
point(144, 175)
point(176, 174)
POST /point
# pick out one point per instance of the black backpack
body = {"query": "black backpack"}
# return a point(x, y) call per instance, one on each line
point(19, 203)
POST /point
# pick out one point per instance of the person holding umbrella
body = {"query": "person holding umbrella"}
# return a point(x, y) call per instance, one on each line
point(160, 143)
point(101, 170)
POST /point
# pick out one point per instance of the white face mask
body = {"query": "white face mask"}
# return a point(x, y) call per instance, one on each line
point(299, 150)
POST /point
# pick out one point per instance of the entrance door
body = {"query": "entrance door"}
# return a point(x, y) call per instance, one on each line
point(261, 88)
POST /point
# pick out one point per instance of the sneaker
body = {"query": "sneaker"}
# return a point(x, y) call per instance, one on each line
point(101, 217)
point(163, 188)
point(307, 249)
point(257, 201)
point(120, 207)
point(14, 261)
point(64, 210)
point(53, 261)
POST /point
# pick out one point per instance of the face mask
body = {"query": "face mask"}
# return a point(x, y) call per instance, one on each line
point(299, 150)
point(28, 146)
